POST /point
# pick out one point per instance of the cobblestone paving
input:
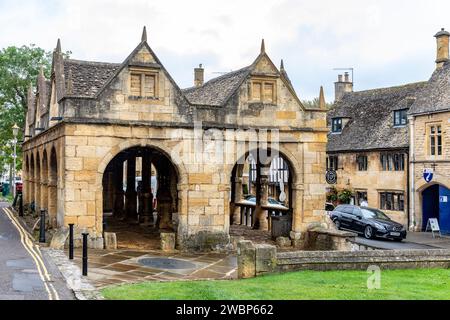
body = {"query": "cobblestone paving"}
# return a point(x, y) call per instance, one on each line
point(122, 266)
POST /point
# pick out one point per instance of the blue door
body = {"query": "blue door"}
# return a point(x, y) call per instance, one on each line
point(430, 204)
point(444, 209)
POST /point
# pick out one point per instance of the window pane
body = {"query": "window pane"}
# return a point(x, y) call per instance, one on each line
point(149, 85)
point(433, 145)
point(256, 92)
point(135, 84)
point(439, 145)
point(268, 92)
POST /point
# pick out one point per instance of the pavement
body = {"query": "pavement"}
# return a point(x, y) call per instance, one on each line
point(414, 240)
point(26, 272)
point(115, 267)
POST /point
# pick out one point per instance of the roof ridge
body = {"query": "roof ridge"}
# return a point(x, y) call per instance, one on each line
point(91, 62)
point(392, 87)
point(210, 81)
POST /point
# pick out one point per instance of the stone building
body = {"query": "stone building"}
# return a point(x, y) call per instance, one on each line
point(381, 141)
point(93, 127)
point(429, 122)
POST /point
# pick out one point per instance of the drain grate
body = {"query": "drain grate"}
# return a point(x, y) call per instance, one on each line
point(166, 263)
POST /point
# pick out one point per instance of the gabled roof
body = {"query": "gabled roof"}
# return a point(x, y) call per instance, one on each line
point(87, 76)
point(217, 91)
point(436, 94)
point(371, 119)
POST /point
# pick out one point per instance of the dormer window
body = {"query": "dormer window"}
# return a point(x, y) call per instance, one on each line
point(400, 117)
point(263, 91)
point(143, 84)
point(336, 126)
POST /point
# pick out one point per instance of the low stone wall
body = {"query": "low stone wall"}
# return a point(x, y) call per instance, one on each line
point(255, 260)
point(322, 239)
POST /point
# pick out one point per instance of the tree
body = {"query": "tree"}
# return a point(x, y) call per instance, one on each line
point(19, 66)
point(314, 104)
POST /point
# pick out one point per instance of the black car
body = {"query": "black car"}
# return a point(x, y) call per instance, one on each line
point(372, 223)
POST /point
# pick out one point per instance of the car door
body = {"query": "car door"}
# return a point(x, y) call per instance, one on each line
point(347, 217)
point(358, 224)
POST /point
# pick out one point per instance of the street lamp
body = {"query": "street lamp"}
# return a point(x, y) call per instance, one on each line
point(15, 130)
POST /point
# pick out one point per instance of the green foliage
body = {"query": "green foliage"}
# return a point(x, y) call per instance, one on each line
point(19, 66)
point(332, 195)
point(345, 195)
point(314, 104)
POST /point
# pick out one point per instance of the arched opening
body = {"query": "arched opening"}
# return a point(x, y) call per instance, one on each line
point(26, 182)
point(53, 188)
point(44, 178)
point(37, 179)
point(140, 197)
point(262, 195)
point(31, 191)
point(436, 205)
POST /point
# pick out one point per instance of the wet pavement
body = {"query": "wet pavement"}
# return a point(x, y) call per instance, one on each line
point(114, 267)
point(414, 240)
point(23, 267)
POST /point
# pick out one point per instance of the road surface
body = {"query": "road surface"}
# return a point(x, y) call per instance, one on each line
point(26, 273)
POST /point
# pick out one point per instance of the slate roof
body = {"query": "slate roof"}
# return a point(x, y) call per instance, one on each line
point(87, 76)
point(217, 91)
point(436, 94)
point(371, 119)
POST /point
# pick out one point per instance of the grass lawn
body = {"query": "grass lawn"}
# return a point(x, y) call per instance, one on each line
point(305, 285)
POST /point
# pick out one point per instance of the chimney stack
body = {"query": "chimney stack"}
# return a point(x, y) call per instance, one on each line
point(442, 55)
point(342, 86)
point(199, 75)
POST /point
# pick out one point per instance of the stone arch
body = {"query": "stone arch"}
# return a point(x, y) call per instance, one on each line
point(53, 186)
point(179, 172)
point(44, 180)
point(37, 179)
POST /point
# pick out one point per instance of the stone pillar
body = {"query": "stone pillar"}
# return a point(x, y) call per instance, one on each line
point(130, 193)
point(44, 194)
point(262, 194)
point(37, 194)
point(118, 210)
point(298, 234)
point(30, 195)
point(52, 201)
point(147, 197)
point(164, 198)
point(237, 198)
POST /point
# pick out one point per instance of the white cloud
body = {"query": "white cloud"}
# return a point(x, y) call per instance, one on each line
point(378, 38)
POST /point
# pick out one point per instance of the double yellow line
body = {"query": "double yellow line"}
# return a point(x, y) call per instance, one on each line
point(35, 253)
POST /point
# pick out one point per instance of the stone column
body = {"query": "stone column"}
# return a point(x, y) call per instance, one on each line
point(118, 210)
point(260, 221)
point(130, 193)
point(164, 198)
point(37, 193)
point(297, 234)
point(52, 200)
point(30, 195)
point(147, 196)
point(237, 198)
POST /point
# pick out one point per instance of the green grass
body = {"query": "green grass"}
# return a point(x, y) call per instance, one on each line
point(421, 284)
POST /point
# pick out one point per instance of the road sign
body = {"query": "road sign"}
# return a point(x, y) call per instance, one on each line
point(433, 225)
point(443, 199)
point(428, 174)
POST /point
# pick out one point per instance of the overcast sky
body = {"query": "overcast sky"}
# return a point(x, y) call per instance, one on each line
point(387, 42)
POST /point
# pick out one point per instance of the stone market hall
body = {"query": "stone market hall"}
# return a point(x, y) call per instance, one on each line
point(113, 144)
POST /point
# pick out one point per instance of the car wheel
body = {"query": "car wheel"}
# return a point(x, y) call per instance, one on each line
point(337, 223)
point(368, 232)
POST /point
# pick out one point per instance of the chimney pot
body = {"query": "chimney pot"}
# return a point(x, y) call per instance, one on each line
point(340, 78)
point(442, 53)
point(346, 77)
point(199, 75)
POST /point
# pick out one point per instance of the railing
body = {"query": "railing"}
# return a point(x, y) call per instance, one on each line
point(247, 213)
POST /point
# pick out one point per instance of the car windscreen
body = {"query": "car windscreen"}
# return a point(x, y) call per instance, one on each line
point(374, 214)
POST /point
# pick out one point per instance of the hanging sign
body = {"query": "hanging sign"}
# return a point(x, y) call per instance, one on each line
point(428, 174)
point(331, 177)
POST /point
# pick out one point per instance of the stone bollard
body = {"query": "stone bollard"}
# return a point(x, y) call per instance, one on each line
point(284, 242)
point(110, 240)
point(246, 259)
point(167, 241)
point(266, 258)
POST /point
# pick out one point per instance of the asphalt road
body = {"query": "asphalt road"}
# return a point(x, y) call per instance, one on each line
point(26, 273)
point(392, 245)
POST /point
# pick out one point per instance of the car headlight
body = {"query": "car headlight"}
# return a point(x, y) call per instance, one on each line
point(379, 226)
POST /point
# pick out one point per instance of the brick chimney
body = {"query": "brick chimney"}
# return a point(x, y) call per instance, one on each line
point(342, 86)
point(442, 54)
point(199, 75)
